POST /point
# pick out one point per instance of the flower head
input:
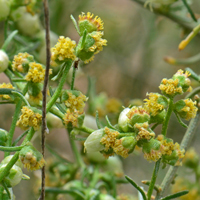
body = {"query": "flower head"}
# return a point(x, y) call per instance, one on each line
point(191, 158)
point(138, 115)
point(63, 50)
point(75, 101)
point(31, 158)
point(170, 87)
point(89, 23)
point(186, 108)
point(30, 117)
point(143, 131)
point(4, 85)
point(155, 104)
point(36, 73)
point(21, 62)
point(73, 117)
point(109, 138)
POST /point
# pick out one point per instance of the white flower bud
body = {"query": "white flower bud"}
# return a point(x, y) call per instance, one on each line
point(7, 159)
point(4, 60)
point(4, 9)
point(123, 120)
point(92, 143)
point(14, 177)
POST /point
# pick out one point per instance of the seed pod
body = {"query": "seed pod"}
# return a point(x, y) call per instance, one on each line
point(3, 137)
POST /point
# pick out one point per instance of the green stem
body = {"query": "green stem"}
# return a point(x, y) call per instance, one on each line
point(8, 39)
point(5, 29)
point(153, 179)
point(75, 151)
point(166, 122)
point(13, 125)
point(20, 137)
point(184, 144)
point(60, 86)
point(180, 121)
point(57, 113)
point(11, 149)
point(6, 189)
point(85, 129)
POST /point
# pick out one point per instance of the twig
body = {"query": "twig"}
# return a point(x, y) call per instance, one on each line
point(44, 92)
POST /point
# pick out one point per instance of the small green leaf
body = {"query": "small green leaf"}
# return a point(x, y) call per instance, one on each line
point(189, 10)
point(173, 196)
point(136, 186)
point(99, 125)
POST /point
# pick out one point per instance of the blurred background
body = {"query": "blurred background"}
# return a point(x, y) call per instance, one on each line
point(128, 67)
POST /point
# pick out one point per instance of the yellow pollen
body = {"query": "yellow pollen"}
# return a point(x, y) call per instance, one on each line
point(190, 109)
point(72, 116)
point(9, 86)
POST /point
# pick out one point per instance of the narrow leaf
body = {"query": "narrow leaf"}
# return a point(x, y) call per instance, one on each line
point(136, 186)
point(189, 10)
point(173, 196)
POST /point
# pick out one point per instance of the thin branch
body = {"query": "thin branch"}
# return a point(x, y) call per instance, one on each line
point(182, 21)
point(44, 92)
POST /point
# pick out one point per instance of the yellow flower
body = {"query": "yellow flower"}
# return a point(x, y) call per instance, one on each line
point(143, 132)
point(21, 61)
point(31, 158)
point(36, 73)
point(109, 138)
point(75, 102)
point(4, 85)
point(153, 155)
point(29, 118)
point(97, 22)
point(72, 116)
point(64, 49)
point(152, 105)
point(170, 87)
point(120, 149)
point(35, 99)
point(99, 42)
point(190, 109)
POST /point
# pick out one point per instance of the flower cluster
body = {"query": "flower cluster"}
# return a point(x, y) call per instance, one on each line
point(36, 73)
point(63, 50)
point(9, 86)
point(31, 158)
point(75, 101)
point(30, 117)
point(21, 62)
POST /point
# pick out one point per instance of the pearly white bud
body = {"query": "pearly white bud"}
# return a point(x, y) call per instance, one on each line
point(4, 60)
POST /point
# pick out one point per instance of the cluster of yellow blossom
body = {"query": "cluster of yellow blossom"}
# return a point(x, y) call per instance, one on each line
point(36, 73)
point(30, 162)
point(152, 105)
point(75, 102)
point(170, 87)
point(9, 86)
point(29, 118)
point(97, 22)
point(111, 142)
point(64, 49)
point(72, 117)
point(19, 61)
point(190, 109)
point(143, 132)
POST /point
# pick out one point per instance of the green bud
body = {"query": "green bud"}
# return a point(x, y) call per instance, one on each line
point(95, 157)
point(92, 143)
point(129, 143)
point(14, 177)
point(4, 60)
point(3, 137)
point(152, 144)
point(124, 121)
point(86, 25)
point(159, 118)
point(4, 9)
